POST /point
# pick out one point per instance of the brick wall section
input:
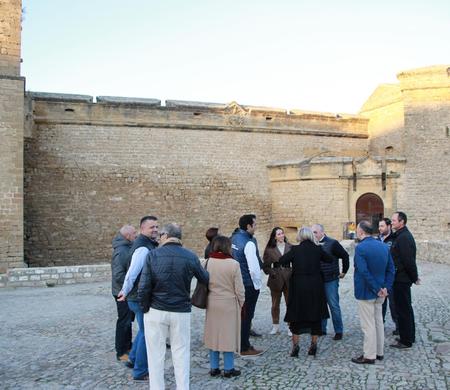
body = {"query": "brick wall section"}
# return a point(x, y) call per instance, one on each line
point(11, 172)
point(83, 181)
point(426, 195)
point(52, 276)
point(10, 29)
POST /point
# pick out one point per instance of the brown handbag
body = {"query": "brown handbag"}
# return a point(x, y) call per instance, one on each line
point(200, 294)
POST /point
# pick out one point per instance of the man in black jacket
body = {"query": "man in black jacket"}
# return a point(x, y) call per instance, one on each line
point(331, 276)
point(121, 247)
point(403, 252)
point(164, 296)
point(387, 237)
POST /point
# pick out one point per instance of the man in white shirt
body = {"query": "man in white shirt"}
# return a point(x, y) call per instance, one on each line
point(144, 243)
point(245, 251)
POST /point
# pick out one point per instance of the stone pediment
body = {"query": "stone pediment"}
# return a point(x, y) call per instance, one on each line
point(234, 108)
point(342, 167)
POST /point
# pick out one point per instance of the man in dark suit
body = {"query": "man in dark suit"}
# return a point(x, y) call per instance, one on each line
point(387, 236)
point(403, 252)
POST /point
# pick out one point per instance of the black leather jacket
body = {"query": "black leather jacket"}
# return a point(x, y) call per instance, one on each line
point(403, 251)
point(166, 278)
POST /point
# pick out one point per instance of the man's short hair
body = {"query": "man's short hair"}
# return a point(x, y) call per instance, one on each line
point(366, 227)
point(126, 229)
point(246, 219)
point(402, 216)
point(172, 230)
point(321, 228)
point(387, 221)
point(147, 218)
point(211, 233)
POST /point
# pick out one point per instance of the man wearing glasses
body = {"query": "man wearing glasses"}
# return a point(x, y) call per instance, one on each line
point(164, 296)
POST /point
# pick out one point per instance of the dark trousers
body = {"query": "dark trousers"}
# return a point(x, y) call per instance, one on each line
point(123, 327)
point(247, 313)
point(405, 313)
point(391, 300)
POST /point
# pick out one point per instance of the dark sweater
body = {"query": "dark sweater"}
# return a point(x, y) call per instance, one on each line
point(330, 271)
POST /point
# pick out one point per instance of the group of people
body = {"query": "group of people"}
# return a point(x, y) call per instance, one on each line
point(152, 275)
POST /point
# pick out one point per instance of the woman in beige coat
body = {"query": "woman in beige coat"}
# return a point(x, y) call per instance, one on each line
point(223, 310)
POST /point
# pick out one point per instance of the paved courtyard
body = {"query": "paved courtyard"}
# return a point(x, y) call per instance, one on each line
point(63, 338)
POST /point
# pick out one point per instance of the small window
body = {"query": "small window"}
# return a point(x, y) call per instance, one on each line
point(69, 110)
point(197, 113)
point(389, 149)
point(268, 118)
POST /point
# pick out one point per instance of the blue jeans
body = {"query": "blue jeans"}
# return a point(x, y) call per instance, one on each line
point(228, 360)
point(332, 294)
point(138, 354)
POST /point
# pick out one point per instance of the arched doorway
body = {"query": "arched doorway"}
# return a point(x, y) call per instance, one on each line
point(369, 207)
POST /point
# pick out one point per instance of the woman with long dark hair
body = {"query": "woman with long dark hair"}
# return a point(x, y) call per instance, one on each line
point(279, 275)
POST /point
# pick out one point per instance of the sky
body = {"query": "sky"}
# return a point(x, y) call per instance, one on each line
point(322, 55)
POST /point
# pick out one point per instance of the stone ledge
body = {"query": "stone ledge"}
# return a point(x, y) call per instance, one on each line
point(128, 101)
point(61, 97)
point(46, 276)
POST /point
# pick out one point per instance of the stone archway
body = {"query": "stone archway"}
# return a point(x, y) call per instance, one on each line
point(369, 207)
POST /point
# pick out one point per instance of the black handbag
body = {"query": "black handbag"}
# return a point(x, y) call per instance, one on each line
point(200, 294)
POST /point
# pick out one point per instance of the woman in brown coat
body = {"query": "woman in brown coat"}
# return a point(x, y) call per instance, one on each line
point(279, 275)
point(223, 310)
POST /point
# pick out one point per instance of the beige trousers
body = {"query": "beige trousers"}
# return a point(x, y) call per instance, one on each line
point(370, 314)
point(158, 325)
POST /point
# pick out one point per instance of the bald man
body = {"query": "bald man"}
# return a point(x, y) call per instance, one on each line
point(121, 244)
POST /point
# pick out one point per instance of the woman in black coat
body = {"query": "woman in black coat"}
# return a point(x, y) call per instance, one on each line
point(307, 304)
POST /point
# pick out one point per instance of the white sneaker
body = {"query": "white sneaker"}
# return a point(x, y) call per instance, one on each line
point(275, 329)
point(289, 333)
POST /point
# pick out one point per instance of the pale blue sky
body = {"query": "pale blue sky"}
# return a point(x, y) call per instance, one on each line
point(318, 55)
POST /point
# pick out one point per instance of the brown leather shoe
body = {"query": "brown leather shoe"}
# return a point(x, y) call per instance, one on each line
point(362, 360)
point(251, 352)
point(400, 345)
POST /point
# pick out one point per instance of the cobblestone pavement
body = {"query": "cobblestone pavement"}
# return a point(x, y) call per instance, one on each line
point(63, 338)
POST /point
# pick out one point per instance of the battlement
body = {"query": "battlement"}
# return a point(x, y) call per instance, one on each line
point(138, 112)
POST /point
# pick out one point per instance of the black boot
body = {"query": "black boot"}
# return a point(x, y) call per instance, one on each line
point(312, 349)
point(295, 349)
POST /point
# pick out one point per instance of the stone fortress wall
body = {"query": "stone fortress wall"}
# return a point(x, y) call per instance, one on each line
point(73, 170)
point(91, 167)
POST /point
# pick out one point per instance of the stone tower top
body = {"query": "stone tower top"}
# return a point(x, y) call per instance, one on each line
point(10, 31)
point(437, 76)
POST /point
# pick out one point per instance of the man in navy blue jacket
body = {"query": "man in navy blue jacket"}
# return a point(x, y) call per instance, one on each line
point(374, 275)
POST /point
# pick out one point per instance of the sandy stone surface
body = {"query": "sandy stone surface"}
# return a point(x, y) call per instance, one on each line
point(63, 338)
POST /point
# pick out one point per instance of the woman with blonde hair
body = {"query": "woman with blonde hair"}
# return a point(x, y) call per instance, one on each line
point(307, 304)
point(223, 309)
